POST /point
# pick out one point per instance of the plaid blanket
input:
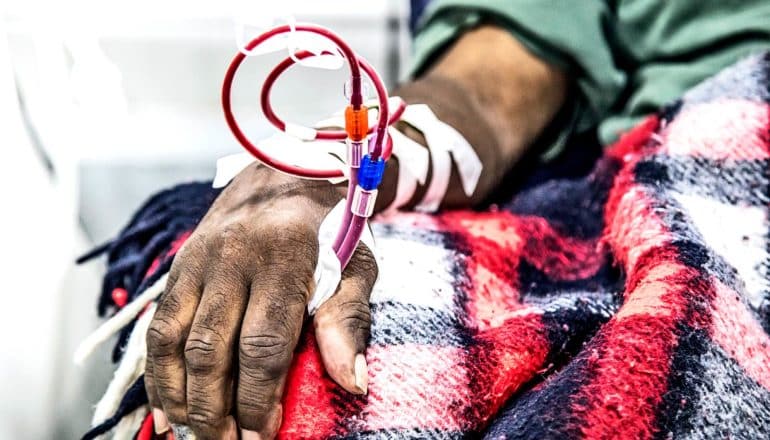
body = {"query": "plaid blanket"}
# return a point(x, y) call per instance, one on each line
point(632, 303)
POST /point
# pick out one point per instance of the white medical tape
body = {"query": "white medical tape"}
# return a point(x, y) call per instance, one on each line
point(420, 116)
point(411, 155)
point(464, 156)
point(229, 166)
point(441, 162)
point(405, 189)
point(289, 149)
point(443, 139)
point(328, 272)
point(413, 162)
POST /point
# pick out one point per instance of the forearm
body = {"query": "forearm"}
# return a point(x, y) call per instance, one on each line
point(496, 94)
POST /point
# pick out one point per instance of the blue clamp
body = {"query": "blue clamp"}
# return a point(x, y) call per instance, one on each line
point(370, 173)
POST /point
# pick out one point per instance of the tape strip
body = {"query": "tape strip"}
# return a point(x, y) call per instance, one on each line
point(464, 156)
point(328, 272)
point(229, 166)
point(405, 189)
point(439, 182)
point(443, 140)
point(411, 155)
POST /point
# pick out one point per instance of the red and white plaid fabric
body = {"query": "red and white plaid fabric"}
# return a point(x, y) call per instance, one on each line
point(633, 303)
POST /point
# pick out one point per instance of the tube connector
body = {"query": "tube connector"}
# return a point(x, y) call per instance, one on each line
point(363, 202)
point(355, 153)
point(370, 173)
point(357, 122)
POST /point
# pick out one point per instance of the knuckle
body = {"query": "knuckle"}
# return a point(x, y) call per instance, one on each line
point(353, 317)
point(201, 417)
point(363, 265)
point(368, 262)
point(298, 295)
point(290, 283)
point(265, 356)
point(294, 292)
point(203, 352)
point(252, 406)
point(164, 337)
point(172, 396)
point(365, 256)
point(356, 316)
point(170, 303)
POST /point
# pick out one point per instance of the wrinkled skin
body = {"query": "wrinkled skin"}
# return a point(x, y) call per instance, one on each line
point(222, 339)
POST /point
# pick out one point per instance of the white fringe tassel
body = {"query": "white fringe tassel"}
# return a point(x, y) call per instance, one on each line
point(129, 370)
point(129, 426)
point(120, 320)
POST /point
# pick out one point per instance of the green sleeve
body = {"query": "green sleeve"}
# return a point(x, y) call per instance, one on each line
point(574, 35)
point(670, 46)
point(626, 58)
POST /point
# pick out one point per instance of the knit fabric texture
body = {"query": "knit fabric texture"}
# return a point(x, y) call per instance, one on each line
point(632, 303)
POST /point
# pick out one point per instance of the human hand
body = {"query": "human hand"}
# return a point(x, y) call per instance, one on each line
point(222, 338)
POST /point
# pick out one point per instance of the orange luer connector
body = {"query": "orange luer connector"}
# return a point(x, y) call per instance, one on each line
point(357, 122)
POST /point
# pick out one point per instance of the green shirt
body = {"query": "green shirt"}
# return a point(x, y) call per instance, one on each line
point(626, 57)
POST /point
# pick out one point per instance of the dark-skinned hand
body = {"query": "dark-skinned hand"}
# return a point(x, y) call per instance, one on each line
point(222, 338)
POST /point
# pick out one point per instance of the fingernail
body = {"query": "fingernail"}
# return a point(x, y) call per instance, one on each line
point(362, 373)
point(276, 420)
point(250, 435)
point(182, 432)
point(232, 429)
point(160, 421)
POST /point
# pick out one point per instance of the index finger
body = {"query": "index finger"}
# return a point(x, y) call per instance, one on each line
point(271, 328)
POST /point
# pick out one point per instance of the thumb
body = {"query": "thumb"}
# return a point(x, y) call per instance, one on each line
point(342, 323)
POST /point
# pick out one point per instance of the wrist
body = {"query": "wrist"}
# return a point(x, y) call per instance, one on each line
point(257, 188)
point(452, 105)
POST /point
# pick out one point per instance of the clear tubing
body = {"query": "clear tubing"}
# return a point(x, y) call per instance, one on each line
point(382, 116)
point(361, 206)
point(384, 119)
point(348, 246)
point(347, 216)
point(356, 97)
